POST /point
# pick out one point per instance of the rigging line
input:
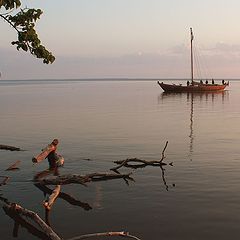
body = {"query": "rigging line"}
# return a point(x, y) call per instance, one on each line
point(204, 66)
point(197, 63)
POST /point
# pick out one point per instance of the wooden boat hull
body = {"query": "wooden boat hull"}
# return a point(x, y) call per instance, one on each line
point(192, 88)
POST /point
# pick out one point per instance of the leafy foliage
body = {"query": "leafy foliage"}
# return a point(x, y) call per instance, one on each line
point(23, 21)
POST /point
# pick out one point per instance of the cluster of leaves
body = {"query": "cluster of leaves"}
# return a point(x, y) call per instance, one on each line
point(24, 23)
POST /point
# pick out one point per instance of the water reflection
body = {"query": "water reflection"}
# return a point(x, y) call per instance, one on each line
point(191, 99)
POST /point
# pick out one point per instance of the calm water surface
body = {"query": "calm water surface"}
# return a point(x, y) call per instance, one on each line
point(196, 198)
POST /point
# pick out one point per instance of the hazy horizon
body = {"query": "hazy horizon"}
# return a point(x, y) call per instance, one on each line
point(93, 39)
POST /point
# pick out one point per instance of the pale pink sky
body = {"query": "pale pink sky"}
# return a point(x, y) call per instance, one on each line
point(128, 39)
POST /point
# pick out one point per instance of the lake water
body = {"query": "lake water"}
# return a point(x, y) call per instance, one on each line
point(104, 121)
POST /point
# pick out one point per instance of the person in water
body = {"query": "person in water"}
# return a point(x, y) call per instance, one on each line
point(50, 152)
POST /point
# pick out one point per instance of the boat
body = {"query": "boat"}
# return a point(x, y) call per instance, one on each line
point(193, 85)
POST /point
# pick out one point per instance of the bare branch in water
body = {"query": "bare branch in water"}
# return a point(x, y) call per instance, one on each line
point(105, 234)
point(20, 211)
point(13, 166)
point(65, 197)
point(9, 148)
point(4, 181)
point(82, 179)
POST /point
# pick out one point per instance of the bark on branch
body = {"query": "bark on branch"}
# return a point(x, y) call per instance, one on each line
point(65, 197)
point(48, 204)
point(17, 209)
point(82, 179)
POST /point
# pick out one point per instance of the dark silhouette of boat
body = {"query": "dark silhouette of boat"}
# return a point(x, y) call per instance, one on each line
point(194, 86)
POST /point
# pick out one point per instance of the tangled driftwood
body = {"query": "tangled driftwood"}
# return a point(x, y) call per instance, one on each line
point(17, 212)
point(140, 162)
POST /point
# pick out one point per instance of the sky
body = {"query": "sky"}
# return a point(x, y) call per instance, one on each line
point(128, 39)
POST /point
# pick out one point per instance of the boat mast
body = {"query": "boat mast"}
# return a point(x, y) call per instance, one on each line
point(191, 55)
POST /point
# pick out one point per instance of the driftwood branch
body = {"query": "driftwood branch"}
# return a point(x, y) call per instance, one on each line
point(4, 181)
point(65, 197)
point(18, 220)
point(105, 234)
point(13, 166)
point(17, 209)
point(48, 204)
point(82, 179)
point(140, 163)
point(9, 148)
point(16, 212)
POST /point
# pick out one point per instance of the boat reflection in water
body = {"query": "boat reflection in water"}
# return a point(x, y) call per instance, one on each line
point(192, 99)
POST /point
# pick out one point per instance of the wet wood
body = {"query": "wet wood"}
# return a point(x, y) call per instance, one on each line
point(68, 198)
point(15, 208)
point(9, 148)
point(13, 166)
point(4, 180)
point(43, 154)
point(129, 162)
point(49, 203)
point(105, 234)
point(82, 179)
point(140, 163)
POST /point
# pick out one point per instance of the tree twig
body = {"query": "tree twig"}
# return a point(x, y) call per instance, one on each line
point(163, 156)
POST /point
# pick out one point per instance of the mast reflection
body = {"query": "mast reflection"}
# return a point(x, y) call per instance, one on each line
point(192, 99)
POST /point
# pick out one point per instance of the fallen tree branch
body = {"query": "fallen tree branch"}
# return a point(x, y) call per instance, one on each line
point(13, 166)
point(82, 179)
point(9, 148)
point(48, 204)
point(65, 197)
point(15, 208)
point(18, 220)
point(140, 162)
point(105, 234)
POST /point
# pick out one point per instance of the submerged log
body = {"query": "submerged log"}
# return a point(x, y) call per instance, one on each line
point(9, 148)
point(82, 179)
point(13, 166)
